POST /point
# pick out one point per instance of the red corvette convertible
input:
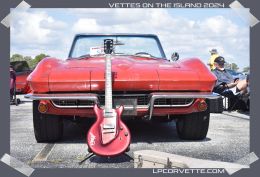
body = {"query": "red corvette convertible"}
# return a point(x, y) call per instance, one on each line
point(144, 82)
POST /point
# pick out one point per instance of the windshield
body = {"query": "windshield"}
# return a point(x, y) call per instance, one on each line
point(146, 46)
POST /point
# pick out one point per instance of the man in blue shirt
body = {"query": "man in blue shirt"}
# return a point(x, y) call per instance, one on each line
point(225, 81)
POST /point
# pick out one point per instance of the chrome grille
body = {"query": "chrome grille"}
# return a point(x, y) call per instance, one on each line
point(143, 100)
point(73, 103)
point(173, 102)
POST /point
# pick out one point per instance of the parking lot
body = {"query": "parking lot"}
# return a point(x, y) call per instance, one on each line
point(227, 140)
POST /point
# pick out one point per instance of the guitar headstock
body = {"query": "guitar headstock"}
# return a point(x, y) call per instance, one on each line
point(108, 46)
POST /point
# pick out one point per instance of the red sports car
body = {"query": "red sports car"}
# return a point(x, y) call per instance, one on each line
point(148, 85)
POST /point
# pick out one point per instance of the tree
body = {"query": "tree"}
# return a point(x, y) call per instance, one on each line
point(31, 62)
point(16, 57)
point(37, 59)
point(234, 66)
point(27, 58)
point(246, 69)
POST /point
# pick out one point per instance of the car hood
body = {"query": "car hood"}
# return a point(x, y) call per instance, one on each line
point(130, 73)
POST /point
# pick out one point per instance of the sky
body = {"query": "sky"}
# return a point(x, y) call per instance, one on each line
point(190, 32)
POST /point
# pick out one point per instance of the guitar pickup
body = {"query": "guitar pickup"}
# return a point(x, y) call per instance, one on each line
point(108, 126)
point(108, 131)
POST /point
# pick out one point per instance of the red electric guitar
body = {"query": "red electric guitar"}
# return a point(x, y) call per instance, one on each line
point(108, 136)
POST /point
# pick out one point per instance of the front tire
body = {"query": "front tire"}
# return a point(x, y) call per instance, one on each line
point(47, 128)
point(193, 126)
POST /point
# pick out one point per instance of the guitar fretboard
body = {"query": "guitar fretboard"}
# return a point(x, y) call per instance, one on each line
point(108, 85)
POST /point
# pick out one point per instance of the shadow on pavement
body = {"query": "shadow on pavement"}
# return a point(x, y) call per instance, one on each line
point(141, 131)
point(117, 159)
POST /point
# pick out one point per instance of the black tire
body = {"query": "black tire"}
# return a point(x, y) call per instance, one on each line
point(17, 101)
point(193, 126)
point(161, 119)
point(47, 128)
point(216, 105)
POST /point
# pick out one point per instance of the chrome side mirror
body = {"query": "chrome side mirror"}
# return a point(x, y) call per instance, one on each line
point(175, 56)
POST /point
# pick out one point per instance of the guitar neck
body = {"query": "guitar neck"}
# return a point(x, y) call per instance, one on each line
point(108, 85)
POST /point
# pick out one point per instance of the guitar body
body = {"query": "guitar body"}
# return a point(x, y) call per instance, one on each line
point(105, 142)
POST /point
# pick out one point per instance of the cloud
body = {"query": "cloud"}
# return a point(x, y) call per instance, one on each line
point(187, 35)
point(52, 24)
point(86, 25)
point(25, 28)
point(219, 25)
point(33, 31)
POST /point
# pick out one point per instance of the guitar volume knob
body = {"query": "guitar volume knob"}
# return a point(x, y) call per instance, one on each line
point(126, 134)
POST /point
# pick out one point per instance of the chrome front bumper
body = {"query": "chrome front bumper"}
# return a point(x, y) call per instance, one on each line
point(63, 96)
point(206, 95)
point(150, 106)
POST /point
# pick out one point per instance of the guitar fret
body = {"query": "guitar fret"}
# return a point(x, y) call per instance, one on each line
point(108, 85)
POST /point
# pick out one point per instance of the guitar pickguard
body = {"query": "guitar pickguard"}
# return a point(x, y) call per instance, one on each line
point(109, 127)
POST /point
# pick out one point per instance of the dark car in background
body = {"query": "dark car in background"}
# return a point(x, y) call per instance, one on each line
point(22, 70)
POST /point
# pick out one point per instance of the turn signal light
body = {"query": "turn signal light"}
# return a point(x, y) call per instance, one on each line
point(43, 108)
point(202, 105)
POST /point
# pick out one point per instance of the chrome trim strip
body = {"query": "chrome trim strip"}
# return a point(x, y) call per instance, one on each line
point(208, 95)
point(76, 106)
point(142, 107)
point(126, 107)
point(174, 105)
point(154, 96)
point(65, 96)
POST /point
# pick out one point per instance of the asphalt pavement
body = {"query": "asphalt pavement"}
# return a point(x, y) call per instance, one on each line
point(227, 141)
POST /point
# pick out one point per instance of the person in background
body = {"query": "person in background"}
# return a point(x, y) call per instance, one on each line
point(12, 82)
point(225, 81)
point(233, 89)
point(214, 55)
